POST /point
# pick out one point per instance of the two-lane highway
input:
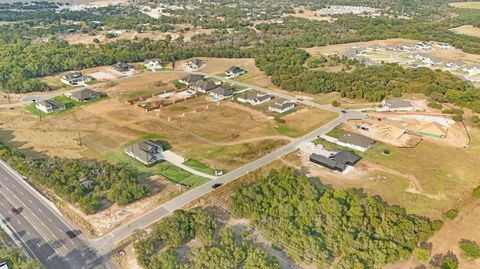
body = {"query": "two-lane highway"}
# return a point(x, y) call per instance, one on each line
point(39, 227)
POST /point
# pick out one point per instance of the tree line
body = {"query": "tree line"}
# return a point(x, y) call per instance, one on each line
point(85, 183)
point(316, 224)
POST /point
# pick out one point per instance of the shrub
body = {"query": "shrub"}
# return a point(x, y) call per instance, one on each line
point(336, 103)
point(451, 213)
point(422, 254)
point(476, 192)
point(470, 248)
point(457, 117)
point(435, 105)
point(452, 111)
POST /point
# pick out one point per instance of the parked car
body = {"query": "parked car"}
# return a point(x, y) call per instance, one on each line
point(15, 211)
point(216, 185)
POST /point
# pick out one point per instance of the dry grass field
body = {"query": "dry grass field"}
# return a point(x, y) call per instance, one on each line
point(223, 135)
point(471, 5)
point(311, 15)
point(335, 49)
point(469, 30)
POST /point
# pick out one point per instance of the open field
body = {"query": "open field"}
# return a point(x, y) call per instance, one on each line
point(309, 14)
point(469, 30)
point(471, 5)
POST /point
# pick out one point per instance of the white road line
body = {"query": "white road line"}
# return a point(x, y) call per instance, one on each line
point(1, 203)
point(21, 192)
point(39, 210)
point(49, 219)
point(27, 232)
point(30, 201)
point(19, 223)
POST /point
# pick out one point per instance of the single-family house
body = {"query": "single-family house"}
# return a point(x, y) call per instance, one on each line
point(75, 79)
point(253, 98)
point(222, 92)
point(49, 106)
point(235, 71)
point(147, 152)
point(338, 161)
point(3, 265)
point(204, 86)
point(82, 95)
point(281, 105)
point(423, 45)
point(191, 79)
point(444, 46)
point(121, 67)
point(194, 64)
point(153, 64)
point(355, 141)
point(396, 105)
point(433, 129)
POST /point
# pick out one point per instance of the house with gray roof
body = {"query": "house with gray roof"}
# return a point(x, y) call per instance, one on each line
point(253, 98)
point(146, 152)
point(191, 79)
point(121, 67)
point(82, 95)
point(75, 79)
point(338, 161)
point(49, 106)
point(204, 86)
point(222, 92)
point(281, 105)
point(396, 105)
point(355, 141)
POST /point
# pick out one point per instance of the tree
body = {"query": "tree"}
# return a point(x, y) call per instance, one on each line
point(470, 248)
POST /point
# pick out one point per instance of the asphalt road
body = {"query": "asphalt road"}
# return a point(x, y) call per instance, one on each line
point(41, 228)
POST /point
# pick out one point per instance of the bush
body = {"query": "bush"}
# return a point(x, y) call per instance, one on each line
point(453, 111)
point(470, 248)
point(422, 254)
point(476, 192)
point(451, 213)
point(457, 117)
point(435, 105)
point(336, 103)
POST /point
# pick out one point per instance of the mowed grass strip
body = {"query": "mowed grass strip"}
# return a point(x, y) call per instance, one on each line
point(164, 169)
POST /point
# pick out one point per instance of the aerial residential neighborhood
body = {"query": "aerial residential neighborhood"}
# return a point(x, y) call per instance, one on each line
point(239, 134)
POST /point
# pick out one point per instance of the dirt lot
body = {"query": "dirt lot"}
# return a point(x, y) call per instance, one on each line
point(469, 30)
point(472, 5)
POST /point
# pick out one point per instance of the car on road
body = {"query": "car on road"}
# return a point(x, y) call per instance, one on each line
point(216, 185)
point(15, 211)
point(71, 234)
point(344, 111)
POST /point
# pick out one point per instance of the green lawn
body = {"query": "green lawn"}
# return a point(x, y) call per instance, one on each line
point(69, 103)
point(201, 167)
point(335, 133)
point(164, 169)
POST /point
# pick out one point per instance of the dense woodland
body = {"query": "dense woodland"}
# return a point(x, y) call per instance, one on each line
point(220, 246)
point(85, 183)
point(316, 224)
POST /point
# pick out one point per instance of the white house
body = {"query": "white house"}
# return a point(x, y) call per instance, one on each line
point(153, 64)
point(234, 72)
point(396, 105)
point(281, 105)
point(194, 64)
point(475, 69)
point(456, 64)
point(444, 46)
point(75, 79)
point(253, 98)
point(49, 106)
point(423, 46)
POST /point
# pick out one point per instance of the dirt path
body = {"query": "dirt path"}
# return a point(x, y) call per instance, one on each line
point(415, 186)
